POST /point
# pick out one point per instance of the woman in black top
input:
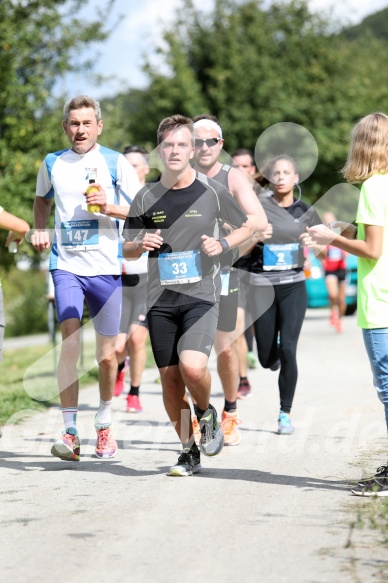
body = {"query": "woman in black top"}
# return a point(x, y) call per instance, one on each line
point(278, 297)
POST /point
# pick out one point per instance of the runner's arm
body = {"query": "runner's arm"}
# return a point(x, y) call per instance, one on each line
point(40, 239)
point(98, 197)
point(245, 196)
point(148, 242)
point(212, 247)
point(17, 226)
point(370, 248)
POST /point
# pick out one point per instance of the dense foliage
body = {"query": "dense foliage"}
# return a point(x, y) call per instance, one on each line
point(25, 301)
point(253, 66)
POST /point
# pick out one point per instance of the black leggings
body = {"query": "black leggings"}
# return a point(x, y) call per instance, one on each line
point(283, 318)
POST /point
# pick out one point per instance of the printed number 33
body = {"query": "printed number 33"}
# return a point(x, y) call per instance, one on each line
point(179, 268)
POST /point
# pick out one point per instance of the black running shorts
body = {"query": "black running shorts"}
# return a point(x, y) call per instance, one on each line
point(177, 328)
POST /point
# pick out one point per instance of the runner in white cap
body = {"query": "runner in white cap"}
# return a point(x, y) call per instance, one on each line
point(208, 145)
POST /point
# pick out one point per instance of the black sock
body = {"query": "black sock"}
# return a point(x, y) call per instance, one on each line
point(191, 448)
point(230, 406)
point(243, 379)
point(134, 391)
point(121, 366)
point(194, 448)
point(199, 412)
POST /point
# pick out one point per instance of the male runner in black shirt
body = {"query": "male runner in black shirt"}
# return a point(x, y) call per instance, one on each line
point(176, 218)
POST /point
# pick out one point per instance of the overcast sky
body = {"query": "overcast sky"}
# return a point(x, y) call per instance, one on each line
point(139, 32)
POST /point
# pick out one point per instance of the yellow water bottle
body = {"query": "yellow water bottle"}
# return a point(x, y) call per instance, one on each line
point(92, 208)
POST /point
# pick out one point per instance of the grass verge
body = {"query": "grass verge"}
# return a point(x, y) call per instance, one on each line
point(374, 515)
point(372, 526)
point(28, 377)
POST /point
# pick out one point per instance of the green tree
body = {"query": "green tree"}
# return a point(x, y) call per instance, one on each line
point(253, 66)
point(375, 24)
point(115, 112)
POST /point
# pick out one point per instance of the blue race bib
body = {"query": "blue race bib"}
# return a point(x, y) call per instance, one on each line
point(277, 257)
point(180, 267)
point(80, 235)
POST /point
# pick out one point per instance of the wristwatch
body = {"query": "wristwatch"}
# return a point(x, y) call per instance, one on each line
point(224, 245)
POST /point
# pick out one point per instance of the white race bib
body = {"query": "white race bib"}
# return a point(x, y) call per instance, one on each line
point(225, 279)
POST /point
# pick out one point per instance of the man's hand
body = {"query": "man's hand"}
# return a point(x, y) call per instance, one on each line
point(212, 247)
point(40, 240)
point(152, 241)
point(133, 250)
point(97, 196)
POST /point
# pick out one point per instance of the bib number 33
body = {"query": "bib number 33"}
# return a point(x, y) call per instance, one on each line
point(180, 267)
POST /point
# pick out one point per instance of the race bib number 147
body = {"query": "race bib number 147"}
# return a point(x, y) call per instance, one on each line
point(80, 235)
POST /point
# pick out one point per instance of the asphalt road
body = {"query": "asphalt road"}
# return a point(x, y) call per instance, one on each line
point(273, 509)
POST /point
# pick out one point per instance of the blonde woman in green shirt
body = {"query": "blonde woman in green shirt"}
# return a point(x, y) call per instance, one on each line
point(17, 230)
point(367, 163)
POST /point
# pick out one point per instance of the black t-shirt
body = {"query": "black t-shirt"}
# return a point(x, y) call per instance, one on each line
point(226, 259)
point(230, 259)
point(179, 272)
point(281, 258)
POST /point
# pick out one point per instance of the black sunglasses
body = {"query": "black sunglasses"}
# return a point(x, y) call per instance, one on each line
point(200, 142)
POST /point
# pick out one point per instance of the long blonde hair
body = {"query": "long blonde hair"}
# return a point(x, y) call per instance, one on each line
point(368, 152)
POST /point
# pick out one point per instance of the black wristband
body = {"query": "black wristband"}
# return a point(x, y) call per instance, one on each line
point(224, 245)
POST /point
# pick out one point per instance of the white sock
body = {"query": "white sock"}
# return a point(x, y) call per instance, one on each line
point(69, 417)
point(103, 416)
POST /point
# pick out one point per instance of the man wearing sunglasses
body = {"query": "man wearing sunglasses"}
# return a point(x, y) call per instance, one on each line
point(208, 146)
